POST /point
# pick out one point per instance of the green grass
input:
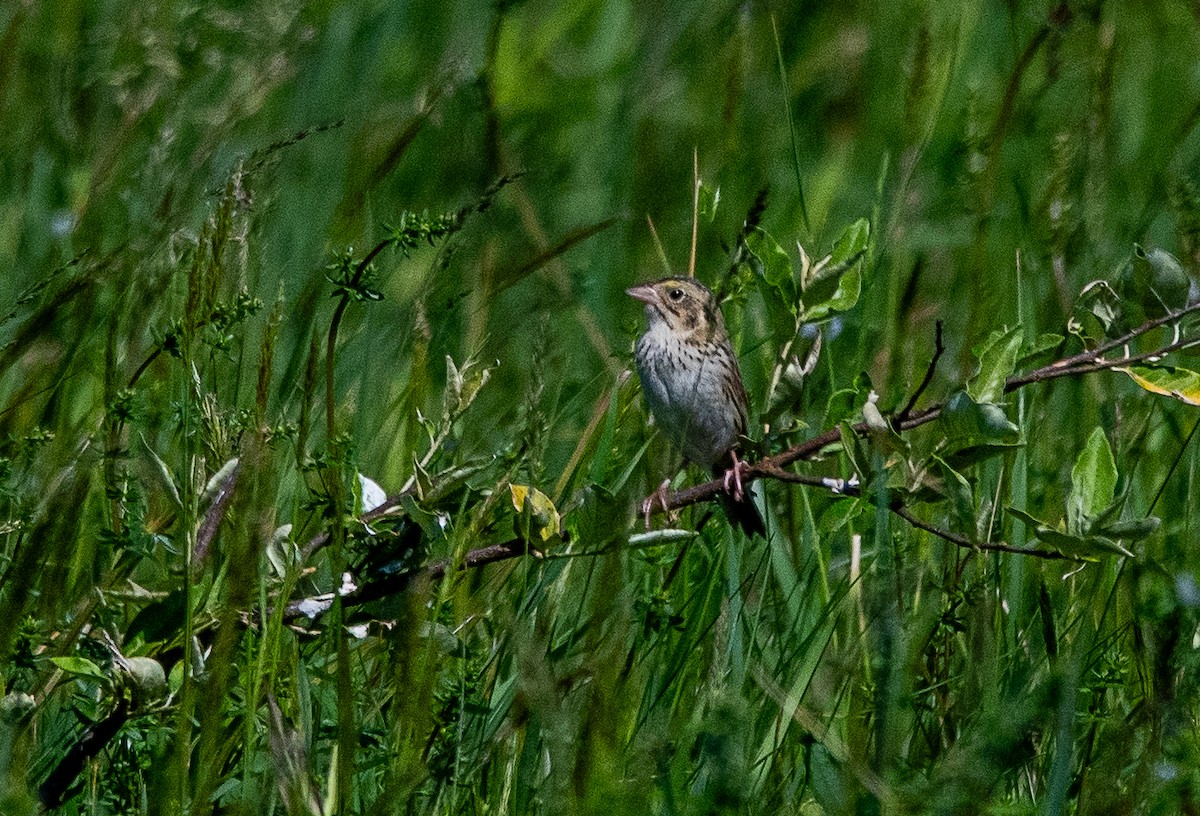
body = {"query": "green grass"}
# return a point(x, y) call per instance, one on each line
point(188, 196)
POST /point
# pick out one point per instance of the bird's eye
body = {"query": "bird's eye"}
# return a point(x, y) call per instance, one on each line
point(676, 295)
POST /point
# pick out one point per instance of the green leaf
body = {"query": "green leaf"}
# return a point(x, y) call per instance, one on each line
point(422, 481)
point(655, 538)
point(1030, 522)
point(1158, 281)
point(852, 243)
point(1133, 529)
point(961, 495)
point(443, 484)
point(158, 620)
point(840, 405)
point(165, 471)
point(838, 514)
point(973, 454)
point(1093, 481)
point(463, 386)
point(175, 678)
point(1108, 545)
point(852, 447)
point(997, 360)
point(843, 268)
point(1100, 300)
point(971, 423)
point(1041, 351)
point(1087, 548)
point(1090, 548)
point(1169, 381)
point(775, 268)
point(81, 667)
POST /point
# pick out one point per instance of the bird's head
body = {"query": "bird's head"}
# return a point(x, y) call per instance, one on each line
point(683, 304)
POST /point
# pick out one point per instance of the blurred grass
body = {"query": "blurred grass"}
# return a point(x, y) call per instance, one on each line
point(158, 160)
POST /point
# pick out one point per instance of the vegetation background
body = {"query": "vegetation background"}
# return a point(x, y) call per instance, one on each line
point(183, 186)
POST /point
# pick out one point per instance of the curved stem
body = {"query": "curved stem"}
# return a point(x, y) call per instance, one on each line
point(1086, 362)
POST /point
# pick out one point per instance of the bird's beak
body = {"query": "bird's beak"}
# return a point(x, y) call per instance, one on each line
point(645, 293)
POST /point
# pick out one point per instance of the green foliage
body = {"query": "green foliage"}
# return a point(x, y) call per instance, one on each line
point(202, 607)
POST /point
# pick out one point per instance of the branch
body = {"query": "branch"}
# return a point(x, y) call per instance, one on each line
point(773, 467)
point(938, 351)
point(394, 584)
point(962, 541)
point(390, 507)
point(1148, 326)
point(1083, 363)
point(898, 507)
point(1053, 371)
point(58, 785)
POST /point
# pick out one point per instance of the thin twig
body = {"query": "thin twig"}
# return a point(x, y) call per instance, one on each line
point(150, 358)
point(898, 507)
point(741, 249)
point(61, 780)
point(390, 507)
point(1148, 326)
point(396, 583)
point(477, 558)
point(1054, 371)
point(335, 324)
point(966, 543)
point(773, 467)
point(938, 351)
point(1084, 363)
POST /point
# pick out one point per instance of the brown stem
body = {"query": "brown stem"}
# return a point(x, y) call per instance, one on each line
point(1082, 363)
point(938, 351)
point(58, 784)
point(773, 467)
point(396, 583)
point(966, 543)
point(150, 358)
point(1092, 354)
point(903, 512)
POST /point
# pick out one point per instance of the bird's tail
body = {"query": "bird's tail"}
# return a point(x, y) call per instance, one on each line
point(742, 513)
point(745, 515)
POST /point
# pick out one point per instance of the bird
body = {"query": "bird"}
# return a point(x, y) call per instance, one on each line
point(693, 387)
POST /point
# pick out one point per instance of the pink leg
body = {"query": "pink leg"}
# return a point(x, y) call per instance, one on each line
point(733, 477)
point(661, 496)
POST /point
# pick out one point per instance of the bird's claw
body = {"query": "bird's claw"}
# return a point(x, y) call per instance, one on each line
point(661, 496)
point(733, 478)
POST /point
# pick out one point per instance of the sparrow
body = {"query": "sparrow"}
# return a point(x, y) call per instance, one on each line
point(693, 387)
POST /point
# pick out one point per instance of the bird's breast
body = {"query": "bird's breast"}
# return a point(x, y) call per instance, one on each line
point(689, 387)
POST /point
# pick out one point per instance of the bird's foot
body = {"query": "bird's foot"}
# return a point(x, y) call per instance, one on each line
point(660, 496)
point(733, 477)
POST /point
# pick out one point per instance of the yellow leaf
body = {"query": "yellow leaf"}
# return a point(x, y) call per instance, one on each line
point(1180, 383)
point(537, 517)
